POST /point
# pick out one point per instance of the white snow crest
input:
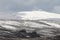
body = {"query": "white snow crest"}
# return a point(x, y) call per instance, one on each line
point(35, 15)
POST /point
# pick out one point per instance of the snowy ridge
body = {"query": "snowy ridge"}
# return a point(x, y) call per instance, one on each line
point(36, 15)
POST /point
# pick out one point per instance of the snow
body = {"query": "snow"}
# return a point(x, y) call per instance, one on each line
point(40, 26)
point(15, 25)
point(52, 24)
point(9, 27)
point(36, 15)
point(10, 22)
point(35, 25)
point(31, 26)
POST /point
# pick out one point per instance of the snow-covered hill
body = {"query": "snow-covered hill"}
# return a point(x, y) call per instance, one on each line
point(36, 15)
point(33, 21)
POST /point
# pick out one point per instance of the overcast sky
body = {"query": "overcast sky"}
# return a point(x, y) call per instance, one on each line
point(9, 6)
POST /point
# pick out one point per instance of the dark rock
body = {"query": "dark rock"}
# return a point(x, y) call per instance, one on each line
point(57, 37)
point(33, 34)
point(24, 34)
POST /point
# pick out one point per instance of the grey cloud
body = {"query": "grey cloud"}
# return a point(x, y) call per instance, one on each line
point(21, 5)
point(56, 9)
